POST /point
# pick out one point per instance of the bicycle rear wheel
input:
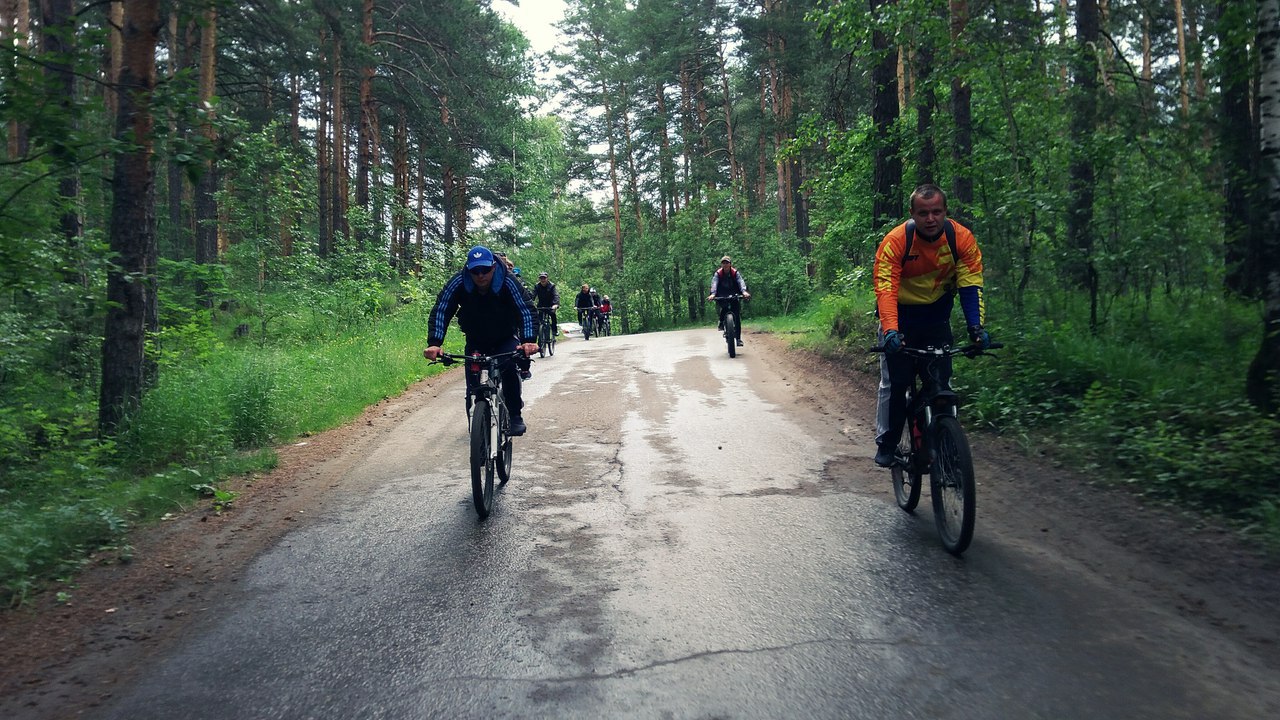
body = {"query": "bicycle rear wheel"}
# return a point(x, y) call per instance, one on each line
point(543, 332)
point(504, 443)
point(952, 485)
point(482, 464)
point(906, 477)
point(731, 333)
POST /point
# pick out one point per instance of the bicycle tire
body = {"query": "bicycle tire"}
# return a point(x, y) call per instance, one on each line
point(952, 485)
point(551, 346)
point(906, 478)
point(731, 333)
point(544, 339)
point(504, 444)
point(482, 464)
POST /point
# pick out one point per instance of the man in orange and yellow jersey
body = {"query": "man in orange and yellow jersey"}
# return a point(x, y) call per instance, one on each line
point(920, 266)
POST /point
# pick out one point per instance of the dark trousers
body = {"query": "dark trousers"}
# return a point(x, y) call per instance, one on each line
point(904, 368)
point(736, 306)
point(511, 390)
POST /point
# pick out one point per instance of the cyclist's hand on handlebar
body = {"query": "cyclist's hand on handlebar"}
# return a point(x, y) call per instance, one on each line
point(746, 296)
point(892, 341)
point(711, 297)
point(528, 348)
point(555, 307)
point(432, 353)
point(980, 336)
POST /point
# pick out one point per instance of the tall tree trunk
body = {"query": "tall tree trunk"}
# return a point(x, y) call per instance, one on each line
point(961, 115)
point(206, 207)
point(1239, 161)
point(1263, 381)
point(686, 125)
point(324, 168)
point(364, 142)
point(886, 204)
point(16, 34)
point(926, 102)
point(666, 165)
point(762, 144)
point(57, 24)
point(1184, 94)
point(633, 176)
point(338, 206)
point(132, 234)
point(175, 183)
point(735, 170)
point(1081, 173)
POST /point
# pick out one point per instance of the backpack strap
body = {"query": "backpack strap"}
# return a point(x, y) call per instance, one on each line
point(947, 228)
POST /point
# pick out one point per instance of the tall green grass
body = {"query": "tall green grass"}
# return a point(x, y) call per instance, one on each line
point(211, 416)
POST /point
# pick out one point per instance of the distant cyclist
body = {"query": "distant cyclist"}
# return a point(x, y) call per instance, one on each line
point(585, 304)
point(546, 295)
point(494, 316)
point(726, 282)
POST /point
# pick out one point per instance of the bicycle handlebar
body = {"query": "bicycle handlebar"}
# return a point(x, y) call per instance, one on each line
point(718, 298)
point(971, 350)
point(445, 358)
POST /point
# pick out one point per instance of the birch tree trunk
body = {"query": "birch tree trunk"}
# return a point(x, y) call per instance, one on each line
point(1263, 381)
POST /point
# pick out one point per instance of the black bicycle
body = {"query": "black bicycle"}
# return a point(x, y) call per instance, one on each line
point(731, 321)
point(933, 442)
point(587, 319)
point(603, 325)
point(489, 424)
point(546, 335)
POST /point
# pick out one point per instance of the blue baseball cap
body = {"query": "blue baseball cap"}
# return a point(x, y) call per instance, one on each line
point(479, 256)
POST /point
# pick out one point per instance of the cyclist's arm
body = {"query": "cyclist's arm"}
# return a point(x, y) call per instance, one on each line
point(887, 276)
point(445, 308)
point(969, 278)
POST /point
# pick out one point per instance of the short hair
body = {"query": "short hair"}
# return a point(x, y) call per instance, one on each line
point(927, 191)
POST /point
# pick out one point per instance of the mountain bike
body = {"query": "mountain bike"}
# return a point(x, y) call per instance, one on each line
point(604, 328)
point(731, 321)
point(933, 442)
point(587, 319)
point(546, 335)
point(489, 424)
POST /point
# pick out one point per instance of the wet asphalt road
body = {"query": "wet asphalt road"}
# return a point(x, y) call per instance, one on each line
point(682, 538)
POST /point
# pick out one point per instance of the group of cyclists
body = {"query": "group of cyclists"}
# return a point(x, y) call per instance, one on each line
point(594, 312)
point(916, 274)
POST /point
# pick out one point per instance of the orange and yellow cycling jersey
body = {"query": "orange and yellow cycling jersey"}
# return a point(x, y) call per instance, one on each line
point(924, 285)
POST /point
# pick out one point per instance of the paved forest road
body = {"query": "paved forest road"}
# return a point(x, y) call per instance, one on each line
point(685, 536)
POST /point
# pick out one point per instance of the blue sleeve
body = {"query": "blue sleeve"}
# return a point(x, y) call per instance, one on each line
point(443, 312)
point(971, 303)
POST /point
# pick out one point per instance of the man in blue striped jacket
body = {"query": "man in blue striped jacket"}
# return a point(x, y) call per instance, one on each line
point(493, 314)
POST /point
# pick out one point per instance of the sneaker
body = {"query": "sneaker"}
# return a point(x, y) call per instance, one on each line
point(517, 427)
point(884, 456)
point(525, 374)
point(739, 342)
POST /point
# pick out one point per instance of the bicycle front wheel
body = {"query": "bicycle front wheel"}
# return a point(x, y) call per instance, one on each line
point(503, 460)
point(482, 463)
point(952, 485)
point(544, 339)
point(731, 333)
point(906, 477)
